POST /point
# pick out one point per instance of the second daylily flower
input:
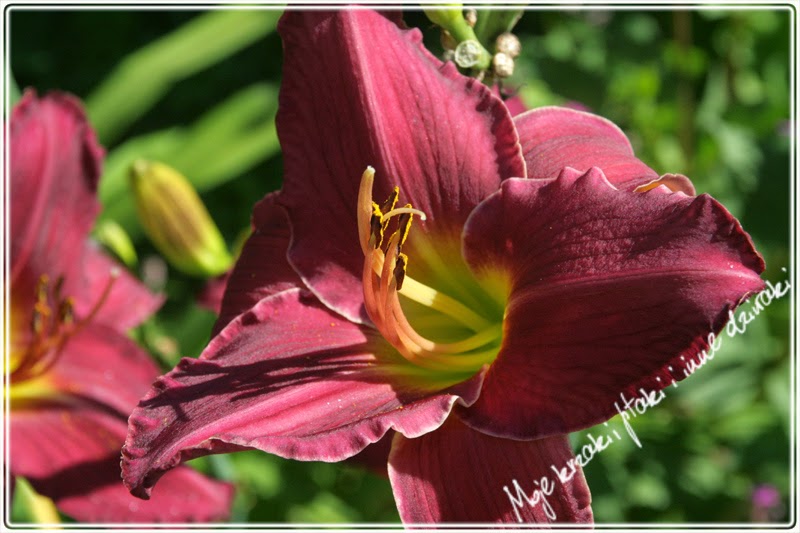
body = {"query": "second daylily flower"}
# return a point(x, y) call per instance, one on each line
point(483, 288)
point(74, 374)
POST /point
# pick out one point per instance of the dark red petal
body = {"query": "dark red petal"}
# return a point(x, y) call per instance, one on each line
point(457, 474)
point(55, 166)
point(128, 303)
point(375, 457)
point(513, 102)
point(291, 378)
point(70, 453)
point(104, 366)
point(262, 268)
point(359, 91)
point(556, 137)
point(609, 289)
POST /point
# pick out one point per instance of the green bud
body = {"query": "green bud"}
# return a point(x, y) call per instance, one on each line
point(451, 20)
point(507, 43)
point(113, 237)
point(468, 54)
point(445, 16)
point(502, 65)
point(177, 222)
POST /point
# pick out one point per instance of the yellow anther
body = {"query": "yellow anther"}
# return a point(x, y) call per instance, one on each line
point(37, 322)
point(404, 226)
point(400, 270)
point(41, 288)
point(54, 327)
point(389, 204)
point(391, 201)
point(376, 226)
point(66, 311)
point(42, 308)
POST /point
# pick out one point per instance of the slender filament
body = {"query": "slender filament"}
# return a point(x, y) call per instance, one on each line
point(384, 272)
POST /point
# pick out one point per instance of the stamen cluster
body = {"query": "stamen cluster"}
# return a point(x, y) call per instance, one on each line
point(52, 324)
point(384, 276)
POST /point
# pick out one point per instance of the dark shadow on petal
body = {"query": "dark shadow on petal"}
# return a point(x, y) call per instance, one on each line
point(81, 478)
point(241, 382)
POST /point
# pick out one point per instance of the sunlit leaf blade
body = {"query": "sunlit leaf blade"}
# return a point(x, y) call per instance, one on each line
point(236, 156)
point(113, 237)
point(230, 138)
point(143, 77)
point(224, 143)
point(13, 90)
point(30, 507)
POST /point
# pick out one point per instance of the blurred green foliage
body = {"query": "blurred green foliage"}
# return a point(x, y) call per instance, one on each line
point(703, 93)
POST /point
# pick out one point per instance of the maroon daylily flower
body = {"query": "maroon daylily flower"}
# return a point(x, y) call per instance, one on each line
point(553, 271)
point(75, 375)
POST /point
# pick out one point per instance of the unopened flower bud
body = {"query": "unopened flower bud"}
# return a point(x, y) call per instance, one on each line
point(471, 16)
point(508, 44)
point(447, 41)
point(112, 236)
point(177, 222)
point(468, 54)
point(502, 65)
point(446, 16)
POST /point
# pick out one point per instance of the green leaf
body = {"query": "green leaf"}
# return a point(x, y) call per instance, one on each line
point(559, 43)
point(648, 490)
point(701, 477)
point(748, 87)
point(720, 392)
point(323, 508)
point(715, 99)
point(143, 77)
point(14, 93)
point(745, 425)
point(190, 329)
point(30, 507)
point(231, 138)
point(221, 145)
point(258, 472)
point(232, 121)
point(777, 388)
point(113, 237)
point(641, 28)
